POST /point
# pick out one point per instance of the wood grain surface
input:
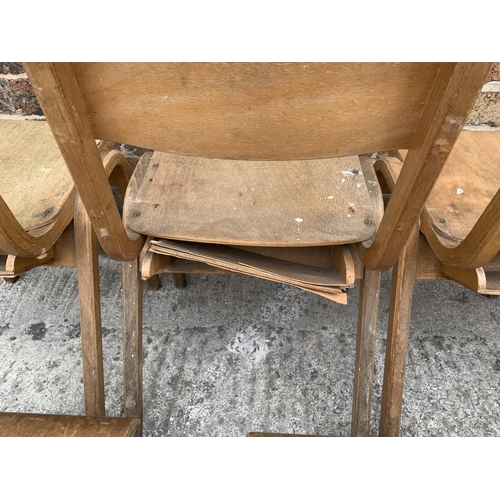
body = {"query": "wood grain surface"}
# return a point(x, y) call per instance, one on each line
point(38, 425)
point(295, 203)
point(256, 111)
point(35, 183)
point(468, 182)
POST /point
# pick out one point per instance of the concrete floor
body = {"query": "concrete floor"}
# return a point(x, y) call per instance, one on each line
point(233, 354)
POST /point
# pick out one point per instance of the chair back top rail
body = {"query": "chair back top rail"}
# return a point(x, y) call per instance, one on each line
point(258, 111)
point(263, 111)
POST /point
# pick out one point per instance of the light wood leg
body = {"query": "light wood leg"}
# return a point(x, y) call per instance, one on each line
point(87, 269)
point(365, 352)
point(132, 340)
point(403, 278)
point(179, 280)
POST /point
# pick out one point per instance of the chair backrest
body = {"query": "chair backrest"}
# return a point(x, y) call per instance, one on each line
point(256, 111)
point(265, 111)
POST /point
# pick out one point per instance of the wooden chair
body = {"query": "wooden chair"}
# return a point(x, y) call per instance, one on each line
point(38, 202)
point(458, 240)
point(256, 156)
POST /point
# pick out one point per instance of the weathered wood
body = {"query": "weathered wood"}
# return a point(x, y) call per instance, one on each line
point(322, 257)
point(36, 194)
point(324, 281)
point(365, 353)
point(179, 280)
point(374, 192)
point(37, 425)
point(40, 192)
point(468, 182)
point(478, 280)
point(66, 114)
point(154, 282)
point(460, 218)
point(359, 268)
point(182, 266)
point(293, 203)
point(14, 265)
point(403, 278)
point(152, 263)
point(256, 111)
point(343, 263)
point(35, 183)
point(64, 249)
point(493, 264)
point(447, 108)
point(428, 265)
point(87, 270)
point(15, 240)
point(132, 341)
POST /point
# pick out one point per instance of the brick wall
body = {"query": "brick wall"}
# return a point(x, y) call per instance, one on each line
point(487, 108)
point(16, 94)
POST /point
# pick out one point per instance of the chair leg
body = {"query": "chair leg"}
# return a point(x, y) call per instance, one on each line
point(179, 280)
point(403, 278)
point(154, 282)
point(365, 352)
point(132, 340)
point(87, 269)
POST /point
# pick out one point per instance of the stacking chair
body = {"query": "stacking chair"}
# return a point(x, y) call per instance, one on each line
point(38, 202)
point(458, 240)
point(256, 170)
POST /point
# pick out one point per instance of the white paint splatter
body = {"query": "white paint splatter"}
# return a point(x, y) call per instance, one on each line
point(342, 181)
point(298, 220)
point(103, 232)
point(329, 197)
point(358, 185)
point(250, 346)
point(459, 191)
point(348, 172)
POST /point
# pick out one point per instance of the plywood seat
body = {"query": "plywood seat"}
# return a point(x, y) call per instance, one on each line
point(39, 425)
point(468, 182)
point(262, 203)
point(35, 182)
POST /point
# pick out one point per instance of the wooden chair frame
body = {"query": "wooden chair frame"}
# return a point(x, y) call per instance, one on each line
point(454, 90)
point(452, 260)
point(80, 252)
